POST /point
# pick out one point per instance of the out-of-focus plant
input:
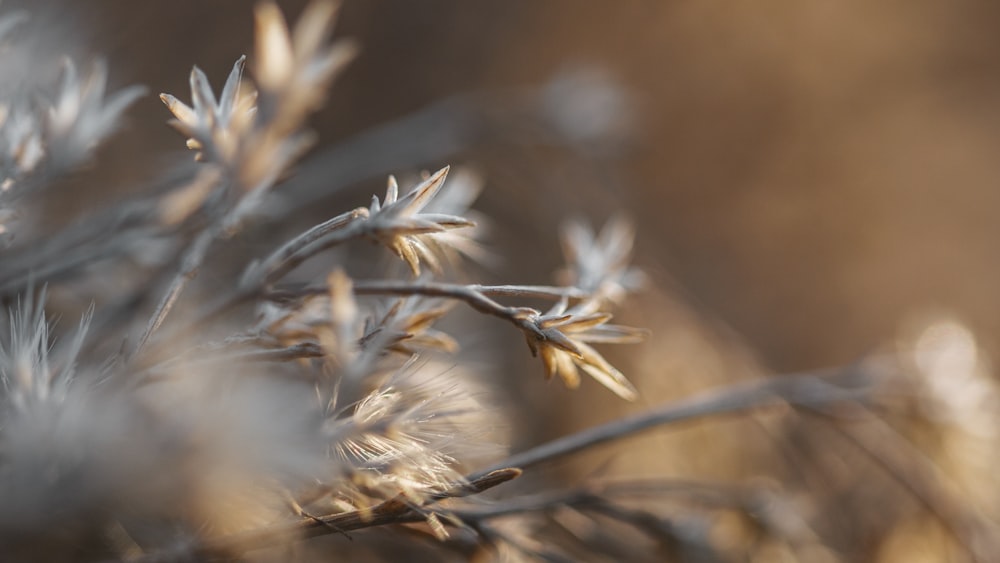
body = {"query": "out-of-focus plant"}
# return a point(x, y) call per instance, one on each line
point(288, 405)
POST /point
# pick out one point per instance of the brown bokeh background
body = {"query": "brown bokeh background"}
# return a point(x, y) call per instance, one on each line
point(808, 174)
point(806, 177)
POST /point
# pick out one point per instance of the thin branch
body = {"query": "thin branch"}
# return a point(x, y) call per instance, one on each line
point(191, 261)
point(475, 296)
point(460, 292)
point(468, 294)
point(533, 291)
point(290, 255)
point(106, 233)
point(808, 390)
point(303, 246)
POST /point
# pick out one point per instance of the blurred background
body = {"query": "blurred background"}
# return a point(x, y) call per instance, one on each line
point(808, 174)
point(811, 182)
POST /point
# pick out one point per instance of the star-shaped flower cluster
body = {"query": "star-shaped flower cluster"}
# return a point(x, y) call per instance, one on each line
point(400, 224)
point(562, 337)
point(49, 128)
point(254, 129)
point(599, 263)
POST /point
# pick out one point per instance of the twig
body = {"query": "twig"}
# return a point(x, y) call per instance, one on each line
point(196, 253)
point(475, 296)
point(808, 390)
point(300, 248)
point(190, 263)
point(290, 255)
point(107, 233)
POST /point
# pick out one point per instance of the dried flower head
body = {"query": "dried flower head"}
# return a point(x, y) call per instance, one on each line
point(293, 69)
point(405, 326)
point(52, 132)
point(456, 198)
point(82, 115)
point(411, 435)
point(22, 138)
point(399, 223)
point(30, 375)
point(48, 127)
point(216, 126)
point(255, 130)
point(600, 263)
point(562, 336)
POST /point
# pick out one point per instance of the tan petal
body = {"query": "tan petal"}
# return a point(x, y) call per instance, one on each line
point(553, 337)
point(597, 367)
point(532, 344)
point(185, 115)
point(568, 371)
point(579, 323)
point(404, 249)
point(432, 340)
point(202, 97)
point(550, 361)
point(549, 322)
point(426, 253)
point(612, 334)
point(313, 27)
point(422, 320)
point(343, 309)
point(391, 191)
point(424, 192)
point(275, 60)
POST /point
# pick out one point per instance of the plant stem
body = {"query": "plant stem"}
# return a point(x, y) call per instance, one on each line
point(807, 390)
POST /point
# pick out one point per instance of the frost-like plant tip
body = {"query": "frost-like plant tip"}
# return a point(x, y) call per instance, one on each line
point(255, 129)
point(405, 327)
point(214, 125)
point(600, 263)
point(79, 116)
point(332, 321)
point(30, 376)
point(23, 145)
point(297, 67)
point(399, 224)
point(82, 115)
point(456, 198)
point(47, 130)
point(274, 47)
point(561, 337)
point(409, 435)
point(341, 340)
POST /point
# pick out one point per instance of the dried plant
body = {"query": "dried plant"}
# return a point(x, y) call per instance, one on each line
point(243, 420)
